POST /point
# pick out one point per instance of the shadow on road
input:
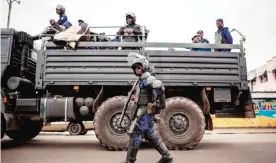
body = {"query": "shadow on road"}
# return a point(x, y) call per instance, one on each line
point(91, 145)
point(9, 144)
point(200, 146)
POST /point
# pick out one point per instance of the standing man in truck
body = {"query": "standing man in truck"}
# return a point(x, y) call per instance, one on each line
point(131, 30)
point(62, 24)
point(149, 99)
point(222, 36)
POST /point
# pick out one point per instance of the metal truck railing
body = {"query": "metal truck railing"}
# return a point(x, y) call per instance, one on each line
point(45, 33)
point(142, 44)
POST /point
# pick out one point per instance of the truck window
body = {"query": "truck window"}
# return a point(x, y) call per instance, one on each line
point(5, 44)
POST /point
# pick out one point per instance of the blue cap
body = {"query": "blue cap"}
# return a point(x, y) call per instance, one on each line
point(220, 20)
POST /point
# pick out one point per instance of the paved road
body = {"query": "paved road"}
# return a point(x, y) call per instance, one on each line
point(215, 148)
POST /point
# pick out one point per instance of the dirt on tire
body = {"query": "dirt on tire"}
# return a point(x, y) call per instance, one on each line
point(103, 131)
point(195, 130)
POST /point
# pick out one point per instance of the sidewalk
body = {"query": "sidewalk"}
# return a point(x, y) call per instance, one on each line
point(215, 131)
point(243, 131)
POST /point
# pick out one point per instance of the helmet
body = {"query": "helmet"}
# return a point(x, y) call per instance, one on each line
point(132, 14)
point(135, 59)
point(61, 8)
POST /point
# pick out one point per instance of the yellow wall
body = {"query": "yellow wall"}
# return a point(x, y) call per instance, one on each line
point(259, 121)
point(265, 117)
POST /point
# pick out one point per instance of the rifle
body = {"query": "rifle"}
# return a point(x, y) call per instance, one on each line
point(127, 102)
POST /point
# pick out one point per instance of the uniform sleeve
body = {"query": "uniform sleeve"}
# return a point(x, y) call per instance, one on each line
point(84, 25)
point(156, 85)
point(120, 32)
point(228, 36)
point(205, 41)
point(62, 19)
point(137, 31)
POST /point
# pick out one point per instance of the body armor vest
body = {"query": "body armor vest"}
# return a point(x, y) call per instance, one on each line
point(144, 97)
point(130, 37)
point(143, 93)
point(219, 38)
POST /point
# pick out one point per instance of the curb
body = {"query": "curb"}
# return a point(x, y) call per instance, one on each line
point(91, 133)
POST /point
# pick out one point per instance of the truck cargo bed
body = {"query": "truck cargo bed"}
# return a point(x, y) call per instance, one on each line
point(109, 67)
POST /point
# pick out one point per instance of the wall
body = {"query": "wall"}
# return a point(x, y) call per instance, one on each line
point(265, 117)
point(269, 70)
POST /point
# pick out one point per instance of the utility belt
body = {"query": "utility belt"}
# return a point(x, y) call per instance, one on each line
point(151, 108)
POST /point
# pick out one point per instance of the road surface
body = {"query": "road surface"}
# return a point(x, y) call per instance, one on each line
point(214, 148)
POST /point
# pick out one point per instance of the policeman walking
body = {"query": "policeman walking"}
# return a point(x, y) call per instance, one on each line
point(149, 100)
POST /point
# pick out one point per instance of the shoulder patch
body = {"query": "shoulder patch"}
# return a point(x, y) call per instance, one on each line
point(150, 80)
point(157, 84)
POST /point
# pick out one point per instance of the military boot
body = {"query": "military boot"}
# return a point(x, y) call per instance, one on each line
point(131, 155)
point(163, 150)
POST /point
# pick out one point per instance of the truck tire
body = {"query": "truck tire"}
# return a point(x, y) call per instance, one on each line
point(105, 123)
point(27, 131)
point(75, 128)
point(3, 125)
point(182, 124)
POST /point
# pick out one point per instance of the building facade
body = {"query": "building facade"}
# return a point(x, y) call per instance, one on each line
point(263, 79)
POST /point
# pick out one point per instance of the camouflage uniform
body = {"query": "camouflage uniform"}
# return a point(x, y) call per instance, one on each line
point(149, 92)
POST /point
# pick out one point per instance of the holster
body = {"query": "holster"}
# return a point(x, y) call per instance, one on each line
point(151, 109)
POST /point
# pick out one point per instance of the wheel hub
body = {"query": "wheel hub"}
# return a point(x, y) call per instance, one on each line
point(74, 129)
point(178, 123)
point(114, 123)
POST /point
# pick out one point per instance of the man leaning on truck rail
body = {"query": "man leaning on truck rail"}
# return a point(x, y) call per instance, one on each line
point(201, 34)
point(84, 28)
point(198, 39)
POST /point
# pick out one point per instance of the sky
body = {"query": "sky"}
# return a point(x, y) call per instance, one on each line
point(168, 21)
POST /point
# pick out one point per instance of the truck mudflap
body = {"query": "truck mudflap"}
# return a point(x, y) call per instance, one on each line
point(57, 108)
point(12, 121)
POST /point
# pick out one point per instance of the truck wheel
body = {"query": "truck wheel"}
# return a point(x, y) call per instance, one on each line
point(27, 131)
point(75, 128)
point(105, 123)
point(3, 125)
point(182, 124)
